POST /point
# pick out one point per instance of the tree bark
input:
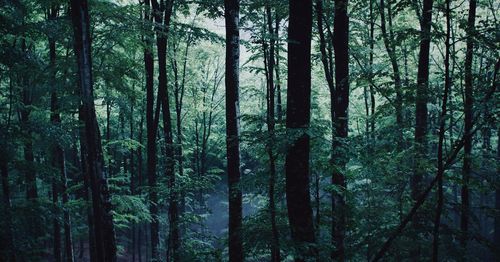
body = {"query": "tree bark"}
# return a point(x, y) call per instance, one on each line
point(372, 92)
point(416, 181)
point(468, 106)
point(7, 239)
point(297, 123)
point(275, 246)
point(152, 129)
point(103, 227)
point(340, 104)
point(231, 15)
point(162, 15)
point(35, 228)
point(496, 236)
point(58, 162)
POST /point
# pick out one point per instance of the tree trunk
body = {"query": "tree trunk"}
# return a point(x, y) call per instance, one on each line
point(416, 182)
point(279, 107)
point(496, 237)
point(86, 196)
point(468, 104)
point(297, 123)
point(340, 103)
point(162, 15)
point(372, 92)
point(231, 15)
point(442, 130)
point(179, 98)
point(29, 166)
point(391, 51)
point(59, 162)
point(275, 246)
point(7, 239)
point(152, 129)
point(104, 228)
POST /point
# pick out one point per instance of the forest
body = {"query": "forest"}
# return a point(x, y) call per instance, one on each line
point(249, 130)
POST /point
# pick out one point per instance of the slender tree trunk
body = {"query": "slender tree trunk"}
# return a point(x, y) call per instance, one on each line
point(468, 105)
point(442, 124)
point(372, 92)
point(297, 123)
point(59, 162)
point(104, 228)
point(340, 122)
point(496, 236)
point(231, 15)
point(162, 15)
point(179, 98)
point(391, 51)
point(416, 181)
point(57, 154)
point(279, 107)
point(35, 228)
point(275, 246)
point(325, 58)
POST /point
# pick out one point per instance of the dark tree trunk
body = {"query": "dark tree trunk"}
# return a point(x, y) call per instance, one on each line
point(231, 15)
point(27, 100)
point(468, 124)
point(59, 162)
point(8, 251)
point(275, 246)
point(152, 129)
point(416, 182)
point(442, 124)
point(325, 58)
point(86, 196)
point(163, 13)
point(179, 98)
point(297, 122)
point(496, 237)
point(29, 165)
point(340, 103)
point(279, 107)
point(94, 162)
point(372, 92)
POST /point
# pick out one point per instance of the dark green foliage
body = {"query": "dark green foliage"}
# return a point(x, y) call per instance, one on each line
point(377, 156)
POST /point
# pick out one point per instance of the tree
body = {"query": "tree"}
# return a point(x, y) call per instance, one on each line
point(231, 16)
point(104, 232)
point(421, 108)
point(297, 124)
point(468, 125)
point(275, 245)
point(390, 47)
point(151, 126)
point(442, 126)
point(340, 125)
